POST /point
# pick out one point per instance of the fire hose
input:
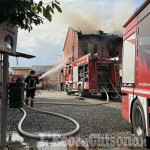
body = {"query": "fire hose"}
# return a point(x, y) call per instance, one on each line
point(51, 136)
point(48, 136)
point(75, 104)
point(115, 89)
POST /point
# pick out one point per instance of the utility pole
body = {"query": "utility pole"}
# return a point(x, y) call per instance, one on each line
point(8, 40)
point(4, 101)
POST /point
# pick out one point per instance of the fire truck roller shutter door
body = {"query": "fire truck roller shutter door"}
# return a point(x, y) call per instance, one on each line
point(75, 74)
point(129, 60)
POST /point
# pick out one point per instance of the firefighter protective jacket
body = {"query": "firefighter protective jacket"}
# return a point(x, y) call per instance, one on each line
point(31, 82)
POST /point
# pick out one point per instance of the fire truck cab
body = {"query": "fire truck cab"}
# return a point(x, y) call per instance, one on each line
point(136, 71)
point(90, 75)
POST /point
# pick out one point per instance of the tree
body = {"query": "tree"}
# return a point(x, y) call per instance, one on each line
point(25, 13)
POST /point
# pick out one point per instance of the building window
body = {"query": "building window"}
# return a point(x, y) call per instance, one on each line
point(112, 50)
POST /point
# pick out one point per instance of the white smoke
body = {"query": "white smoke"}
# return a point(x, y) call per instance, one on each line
point(90, 16)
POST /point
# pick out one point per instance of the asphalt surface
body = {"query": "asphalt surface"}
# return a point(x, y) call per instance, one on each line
point(97, 121)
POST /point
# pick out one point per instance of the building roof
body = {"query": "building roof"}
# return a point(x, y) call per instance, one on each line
point(21, 68)
point(18, 54)
point(137, 11)
point(40, 68)
point(101, 36)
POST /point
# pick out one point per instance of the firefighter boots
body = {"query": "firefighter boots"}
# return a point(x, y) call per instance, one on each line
point(31, 103)
point(26, 102)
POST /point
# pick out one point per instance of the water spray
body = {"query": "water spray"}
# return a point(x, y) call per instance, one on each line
point(59, 66)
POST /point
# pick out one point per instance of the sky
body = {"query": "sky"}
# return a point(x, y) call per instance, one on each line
point(46, 41)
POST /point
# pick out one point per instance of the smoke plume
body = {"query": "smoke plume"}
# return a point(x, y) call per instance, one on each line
point(89, 16)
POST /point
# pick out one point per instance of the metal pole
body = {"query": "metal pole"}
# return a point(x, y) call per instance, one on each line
point(4, 101)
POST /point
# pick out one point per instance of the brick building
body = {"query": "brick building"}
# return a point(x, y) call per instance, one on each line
point(78, 44)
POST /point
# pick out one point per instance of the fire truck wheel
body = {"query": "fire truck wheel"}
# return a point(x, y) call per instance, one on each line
point(138, 120)
point(80, 91)
point(103, 95)
point(67, 91)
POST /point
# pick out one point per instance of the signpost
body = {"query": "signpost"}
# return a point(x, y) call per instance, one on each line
point(8, 38)
point(8, 41)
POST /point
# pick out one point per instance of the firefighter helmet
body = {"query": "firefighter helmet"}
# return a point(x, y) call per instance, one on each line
point(32, 72)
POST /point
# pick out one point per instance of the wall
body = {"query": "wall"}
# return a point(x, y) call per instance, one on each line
point(71, 46)
point(23, 72)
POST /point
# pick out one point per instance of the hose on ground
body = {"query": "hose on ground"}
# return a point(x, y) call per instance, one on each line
point(76, 104)
point(47, 136)
point(106, 93)
point(53, 136)
point(115, 89)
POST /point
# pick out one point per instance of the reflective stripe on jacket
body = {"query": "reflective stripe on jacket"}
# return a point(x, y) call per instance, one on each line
point(31, 82)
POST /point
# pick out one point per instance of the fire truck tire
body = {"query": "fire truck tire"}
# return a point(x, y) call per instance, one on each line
point(67, 91)
point(103, 95)
point(83, 93)
point(138, 120)
point(80, 91)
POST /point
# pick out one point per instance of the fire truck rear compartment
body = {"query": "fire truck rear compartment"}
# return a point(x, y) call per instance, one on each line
point(104, 74)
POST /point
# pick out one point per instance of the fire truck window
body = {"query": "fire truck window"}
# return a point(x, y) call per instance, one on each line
point(80, 73)
point(70, 70)
point(86, 68)
point(86, 73)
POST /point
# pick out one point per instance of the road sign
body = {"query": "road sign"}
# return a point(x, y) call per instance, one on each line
point(8, 38)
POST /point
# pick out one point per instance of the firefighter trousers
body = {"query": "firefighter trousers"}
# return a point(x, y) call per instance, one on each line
point(30, 93)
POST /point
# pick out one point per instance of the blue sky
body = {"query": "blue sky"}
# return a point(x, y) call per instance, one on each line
point(46, 41)
point(139, 2)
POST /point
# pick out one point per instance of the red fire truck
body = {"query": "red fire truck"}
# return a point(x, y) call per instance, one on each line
point(90, 75)
point(136, 71)
point(13, 78)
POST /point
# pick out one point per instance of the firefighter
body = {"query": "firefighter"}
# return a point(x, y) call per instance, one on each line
point(31, 81)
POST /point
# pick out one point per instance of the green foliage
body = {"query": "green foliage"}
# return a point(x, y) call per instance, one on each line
point(25, 13)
